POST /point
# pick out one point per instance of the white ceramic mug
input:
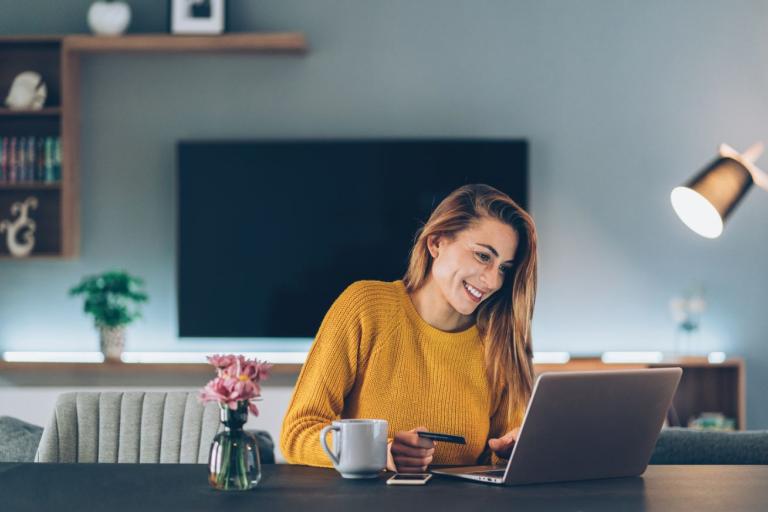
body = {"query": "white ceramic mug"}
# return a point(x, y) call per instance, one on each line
point(360, 447)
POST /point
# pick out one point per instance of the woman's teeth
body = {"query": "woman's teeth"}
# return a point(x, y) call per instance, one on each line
point(473, 291)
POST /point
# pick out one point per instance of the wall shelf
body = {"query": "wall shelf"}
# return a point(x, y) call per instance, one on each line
point(704, 387)
point(57, 58)
point(43, 112)
point(138, 375)
point(245, 42)
point(29, 186)
point(38, 256)
point(35, 133)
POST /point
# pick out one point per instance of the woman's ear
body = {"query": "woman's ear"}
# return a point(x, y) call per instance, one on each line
point(433, 245)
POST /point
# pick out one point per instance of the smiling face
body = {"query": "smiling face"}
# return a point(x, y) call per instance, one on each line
point(469, 267)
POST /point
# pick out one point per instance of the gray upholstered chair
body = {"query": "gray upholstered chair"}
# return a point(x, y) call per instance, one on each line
point(131, 427)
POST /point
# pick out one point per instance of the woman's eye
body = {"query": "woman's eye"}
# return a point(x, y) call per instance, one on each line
point(483, 257)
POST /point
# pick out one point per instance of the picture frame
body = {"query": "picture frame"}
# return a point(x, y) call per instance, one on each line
point(197, 17)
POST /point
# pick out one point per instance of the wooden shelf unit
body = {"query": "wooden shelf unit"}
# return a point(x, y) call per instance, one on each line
point(112, 368)
point(57, 58)
point(292, 42)
point(43, 112)
point(30, 186)
point(53, 214)
point(131, 375)
point(704, 387)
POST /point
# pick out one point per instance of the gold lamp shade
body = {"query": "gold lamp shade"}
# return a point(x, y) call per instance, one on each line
point(709, 198)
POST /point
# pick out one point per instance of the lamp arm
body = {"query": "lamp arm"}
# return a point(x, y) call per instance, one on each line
point(760, 178)
point(747, 159)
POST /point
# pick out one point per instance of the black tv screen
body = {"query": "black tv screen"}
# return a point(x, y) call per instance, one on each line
point(271, 232)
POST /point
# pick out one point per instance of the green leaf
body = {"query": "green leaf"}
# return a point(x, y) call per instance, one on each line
point(112, 298)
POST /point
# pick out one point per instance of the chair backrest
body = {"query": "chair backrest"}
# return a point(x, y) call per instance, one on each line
point(18, 440)
point(129, 427)
point(687, 446)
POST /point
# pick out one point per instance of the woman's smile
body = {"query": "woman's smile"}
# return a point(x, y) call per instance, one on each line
point(473, 293)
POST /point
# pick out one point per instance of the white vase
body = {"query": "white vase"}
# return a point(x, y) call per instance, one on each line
point(112, 342)
point(109, 18)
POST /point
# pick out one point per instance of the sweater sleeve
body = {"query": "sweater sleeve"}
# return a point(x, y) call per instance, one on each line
point(326, 378)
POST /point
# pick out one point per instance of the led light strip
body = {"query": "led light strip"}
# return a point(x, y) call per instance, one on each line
point(299, 357)
point(716, 357)
point(200, 357)
point(551, 357)
point(632, 357)
point(53, 357)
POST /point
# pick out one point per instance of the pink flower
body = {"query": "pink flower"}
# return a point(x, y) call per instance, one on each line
point(255, 370)
point(221, 362)
point(237, 381)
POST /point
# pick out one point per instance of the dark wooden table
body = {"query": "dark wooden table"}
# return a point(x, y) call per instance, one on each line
point(154, 487)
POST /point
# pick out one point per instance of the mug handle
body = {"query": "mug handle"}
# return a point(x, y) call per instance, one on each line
point(323, 442)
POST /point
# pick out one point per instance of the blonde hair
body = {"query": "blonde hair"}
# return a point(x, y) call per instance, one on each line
point(504, 319)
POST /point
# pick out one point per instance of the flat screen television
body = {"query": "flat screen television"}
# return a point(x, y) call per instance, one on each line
point(271, 232)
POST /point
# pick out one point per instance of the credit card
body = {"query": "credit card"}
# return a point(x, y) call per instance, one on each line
point(447, 438)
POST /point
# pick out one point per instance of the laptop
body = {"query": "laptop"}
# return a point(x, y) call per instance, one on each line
point(585, 425)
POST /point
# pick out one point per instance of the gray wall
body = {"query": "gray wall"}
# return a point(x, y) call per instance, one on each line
point(620, 100)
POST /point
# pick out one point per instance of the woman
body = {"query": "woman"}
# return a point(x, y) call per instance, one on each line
point(447, 349)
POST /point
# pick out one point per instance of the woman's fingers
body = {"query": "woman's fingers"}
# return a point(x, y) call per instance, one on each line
point(412, 462)
point(504, 444)
point(411, 469)
point(507, 439)
point(500, 444)
point(409, 451)
point(412, 439)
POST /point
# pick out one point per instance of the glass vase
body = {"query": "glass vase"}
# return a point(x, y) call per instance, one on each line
point(233, 462)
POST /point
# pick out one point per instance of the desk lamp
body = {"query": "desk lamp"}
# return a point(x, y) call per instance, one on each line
point(706, 201)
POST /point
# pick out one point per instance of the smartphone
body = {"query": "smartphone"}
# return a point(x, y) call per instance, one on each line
point(409, 479)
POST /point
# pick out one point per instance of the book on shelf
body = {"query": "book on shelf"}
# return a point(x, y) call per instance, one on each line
point(30, 159)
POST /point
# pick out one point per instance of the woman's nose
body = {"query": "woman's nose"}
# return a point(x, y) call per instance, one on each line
point(492, 279)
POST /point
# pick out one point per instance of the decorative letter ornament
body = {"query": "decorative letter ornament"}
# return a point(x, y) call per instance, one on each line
point(23, 226)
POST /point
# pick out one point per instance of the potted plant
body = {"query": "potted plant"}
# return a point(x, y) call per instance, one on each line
point(113, 299)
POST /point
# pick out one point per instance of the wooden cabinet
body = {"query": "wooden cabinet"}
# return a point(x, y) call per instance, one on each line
point(704, 386)
point(37, 197)
point(55, 214)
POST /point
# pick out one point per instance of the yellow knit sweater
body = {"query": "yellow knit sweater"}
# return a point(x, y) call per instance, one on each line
point(375, 357)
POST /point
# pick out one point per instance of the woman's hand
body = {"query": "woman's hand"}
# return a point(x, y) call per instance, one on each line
point(409, 453)
point(502, 446)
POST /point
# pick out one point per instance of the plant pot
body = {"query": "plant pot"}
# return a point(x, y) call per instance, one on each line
point(112, 341)
point(109, 18)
